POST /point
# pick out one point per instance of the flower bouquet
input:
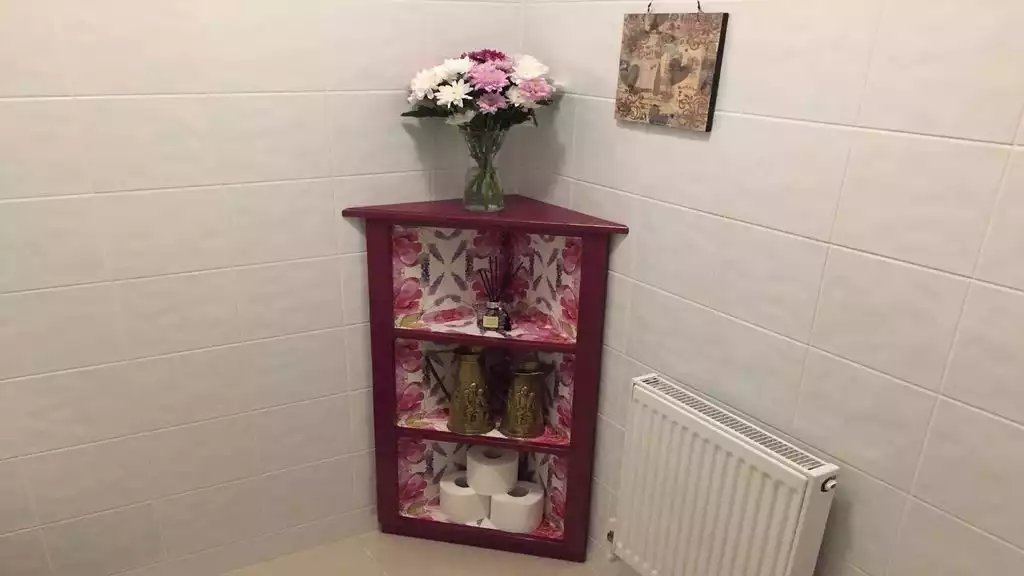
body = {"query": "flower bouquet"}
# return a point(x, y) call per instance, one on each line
point(484, 93)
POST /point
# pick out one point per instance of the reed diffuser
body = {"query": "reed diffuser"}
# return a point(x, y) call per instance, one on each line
point(496, 280)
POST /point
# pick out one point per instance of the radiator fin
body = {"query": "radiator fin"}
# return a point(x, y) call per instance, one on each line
point(748, 431)
point(695, 500)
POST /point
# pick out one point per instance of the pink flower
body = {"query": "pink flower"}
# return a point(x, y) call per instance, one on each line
point(487, 77)
point(535, 89)
point(558, 504)
point(490, 103)
point(410, 398)
point(571, 254)
point(507, 64)
point(411, 450)
point(406, 247)
point(411, 487)
point(448, 315)
point(485, 55)
point(559, 468)
point(408, 355)
point(407, 296)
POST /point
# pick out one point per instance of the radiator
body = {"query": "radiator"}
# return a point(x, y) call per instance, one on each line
point(705, 493)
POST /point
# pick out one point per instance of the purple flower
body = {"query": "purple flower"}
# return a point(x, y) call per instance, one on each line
point(490, 103)
point(487, 77)
point(485, 55)
point(535, 90)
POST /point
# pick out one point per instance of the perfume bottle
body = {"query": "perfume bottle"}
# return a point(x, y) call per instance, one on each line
point(493, 317)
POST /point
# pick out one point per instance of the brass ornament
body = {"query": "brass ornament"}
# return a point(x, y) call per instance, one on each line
point(469, 411)
point(524, 408)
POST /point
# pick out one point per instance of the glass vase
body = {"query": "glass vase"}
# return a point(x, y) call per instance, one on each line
point(483, 191)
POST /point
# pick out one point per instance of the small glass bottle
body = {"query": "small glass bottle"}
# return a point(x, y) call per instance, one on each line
point(493, 317)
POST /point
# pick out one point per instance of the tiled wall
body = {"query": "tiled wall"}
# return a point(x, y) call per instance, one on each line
point(183, 338)
point(842, 257)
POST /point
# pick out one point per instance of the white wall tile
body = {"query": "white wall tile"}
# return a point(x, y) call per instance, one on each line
point(780, 58)
point(105, 543)
point(31, 61)
point(677, 250)
point(296, 368)
point(158, 53)
point(177, 313)
point(357, 354)
point(77, 481)
point(607, 152)
point(268, 137)
point(370, 190)
point(266, 46)
point(935, 544)
point(617, 207)
point(890, 316)
point(284, 221)
point(302, 433)
point(908, 87)
point(386, 142)
point(1000, 259)
point(58, 329)
point(753, 370)
point(874, 422)
point(617, 373)
point(51, 242)
point(616, 320)
point(302, 495)
point(168, 231)
point(923, 200)
point(140, 143)
point(360, 421)
point(24, 554)
point(580, 41)
point(66, 409)
point(41, 143)
point(987, 366)
point(204, 519)
point(354, 289)
point(610, 438)
point(281, 299)
point(767, 278)
point(364, 486)
point(16, 510)
point(863, 522)
point(971, 463)
point(776, 173)
point(602, 508)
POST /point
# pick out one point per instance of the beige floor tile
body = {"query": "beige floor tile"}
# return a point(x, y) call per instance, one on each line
point(343, 558)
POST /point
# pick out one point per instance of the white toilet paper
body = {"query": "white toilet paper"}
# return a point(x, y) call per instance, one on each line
point(492, 471)
point(520, 509)
point(460, 502)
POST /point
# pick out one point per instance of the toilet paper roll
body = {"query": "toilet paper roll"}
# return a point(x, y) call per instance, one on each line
point(520, 509)
point(460, 502)
point(492, 471)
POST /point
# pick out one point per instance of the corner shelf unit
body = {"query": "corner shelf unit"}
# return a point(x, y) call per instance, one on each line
point(422, 258)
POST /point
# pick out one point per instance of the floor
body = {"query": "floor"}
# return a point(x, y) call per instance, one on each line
point(386, 555)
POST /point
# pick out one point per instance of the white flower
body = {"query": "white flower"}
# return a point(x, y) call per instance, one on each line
point(424, 84)
point(526, 68)
point(460, 118)
point(453, 94)
point(515, 96)
point(453, 68)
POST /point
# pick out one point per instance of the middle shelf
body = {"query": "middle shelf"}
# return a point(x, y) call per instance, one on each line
point(437, 429)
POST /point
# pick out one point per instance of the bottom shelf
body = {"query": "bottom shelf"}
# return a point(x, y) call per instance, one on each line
point(431, 511)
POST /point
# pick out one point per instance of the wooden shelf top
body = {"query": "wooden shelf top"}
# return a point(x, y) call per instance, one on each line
point(520, 213)
point(496, 439)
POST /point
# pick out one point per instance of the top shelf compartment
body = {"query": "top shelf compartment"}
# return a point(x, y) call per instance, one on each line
point(520, 214)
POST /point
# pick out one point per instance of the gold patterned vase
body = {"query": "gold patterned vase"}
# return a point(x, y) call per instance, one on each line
point(524, 409)
point(469, 412)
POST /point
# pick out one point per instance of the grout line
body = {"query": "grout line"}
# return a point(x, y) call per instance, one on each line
point(187, 187)
point(1001, 192)
point(214, 94)
point(794, 235)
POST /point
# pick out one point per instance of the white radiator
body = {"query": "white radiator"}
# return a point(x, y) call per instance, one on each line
point(704, 493)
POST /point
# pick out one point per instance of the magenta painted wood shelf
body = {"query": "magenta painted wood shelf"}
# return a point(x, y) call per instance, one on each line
point(423, 263)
